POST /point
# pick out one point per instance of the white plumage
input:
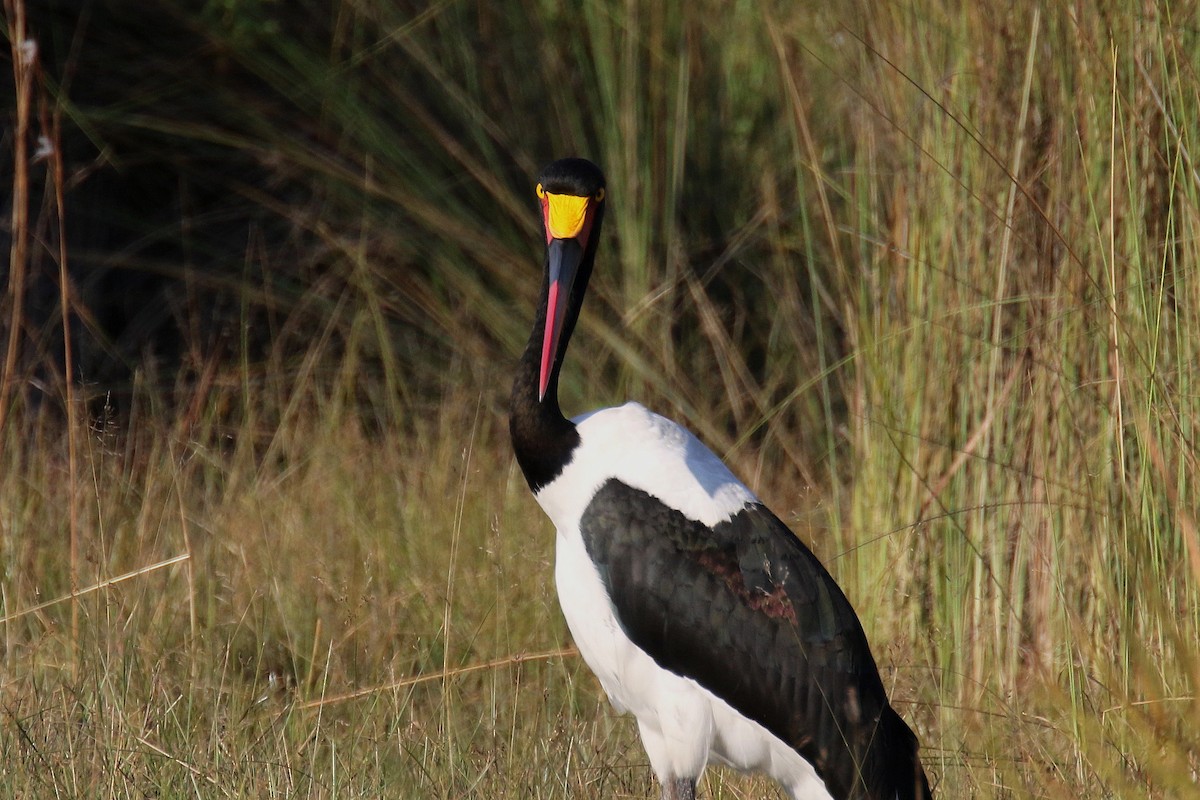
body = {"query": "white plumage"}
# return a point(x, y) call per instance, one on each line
point(681, 723)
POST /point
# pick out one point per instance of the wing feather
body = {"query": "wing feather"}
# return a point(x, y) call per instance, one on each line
point(747, 611)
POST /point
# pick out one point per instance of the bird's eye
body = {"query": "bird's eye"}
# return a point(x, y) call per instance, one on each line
point(541, 193)
point(599, 195)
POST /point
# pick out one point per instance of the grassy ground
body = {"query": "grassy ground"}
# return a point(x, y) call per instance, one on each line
point(925, 274)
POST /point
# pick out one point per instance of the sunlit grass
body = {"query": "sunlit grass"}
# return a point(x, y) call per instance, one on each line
point(925, 276)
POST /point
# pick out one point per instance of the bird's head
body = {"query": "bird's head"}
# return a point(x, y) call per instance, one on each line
point(571, 193)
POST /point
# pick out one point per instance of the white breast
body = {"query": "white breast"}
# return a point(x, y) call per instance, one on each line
point(681, 723)
point(647, 452)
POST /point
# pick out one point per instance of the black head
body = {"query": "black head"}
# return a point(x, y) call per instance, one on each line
point(571, 195)
point(572, 176)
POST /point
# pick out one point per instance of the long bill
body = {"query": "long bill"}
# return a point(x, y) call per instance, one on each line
point(563, 257)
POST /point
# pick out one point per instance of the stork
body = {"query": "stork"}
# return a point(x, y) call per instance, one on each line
point(697, 609)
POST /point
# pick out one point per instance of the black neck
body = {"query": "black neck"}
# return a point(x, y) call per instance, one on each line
point(542, 437)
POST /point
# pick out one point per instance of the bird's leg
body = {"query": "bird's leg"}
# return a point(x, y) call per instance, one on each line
point(679, 789)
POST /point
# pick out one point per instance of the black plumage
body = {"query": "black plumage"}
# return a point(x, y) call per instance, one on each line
point(749, 613)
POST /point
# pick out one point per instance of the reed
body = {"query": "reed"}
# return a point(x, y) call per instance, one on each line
point(923, 273)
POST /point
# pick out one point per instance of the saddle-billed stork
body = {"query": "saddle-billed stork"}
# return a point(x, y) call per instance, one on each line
point(698, 610)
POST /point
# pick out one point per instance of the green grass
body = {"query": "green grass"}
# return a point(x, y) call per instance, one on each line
point(925, 275)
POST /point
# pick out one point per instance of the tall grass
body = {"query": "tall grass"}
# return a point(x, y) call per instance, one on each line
point(924, 273)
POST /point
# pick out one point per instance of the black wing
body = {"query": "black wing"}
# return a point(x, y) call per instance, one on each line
point(748, 612)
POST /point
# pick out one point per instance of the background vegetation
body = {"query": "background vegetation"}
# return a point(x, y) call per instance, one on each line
point(924, 272)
